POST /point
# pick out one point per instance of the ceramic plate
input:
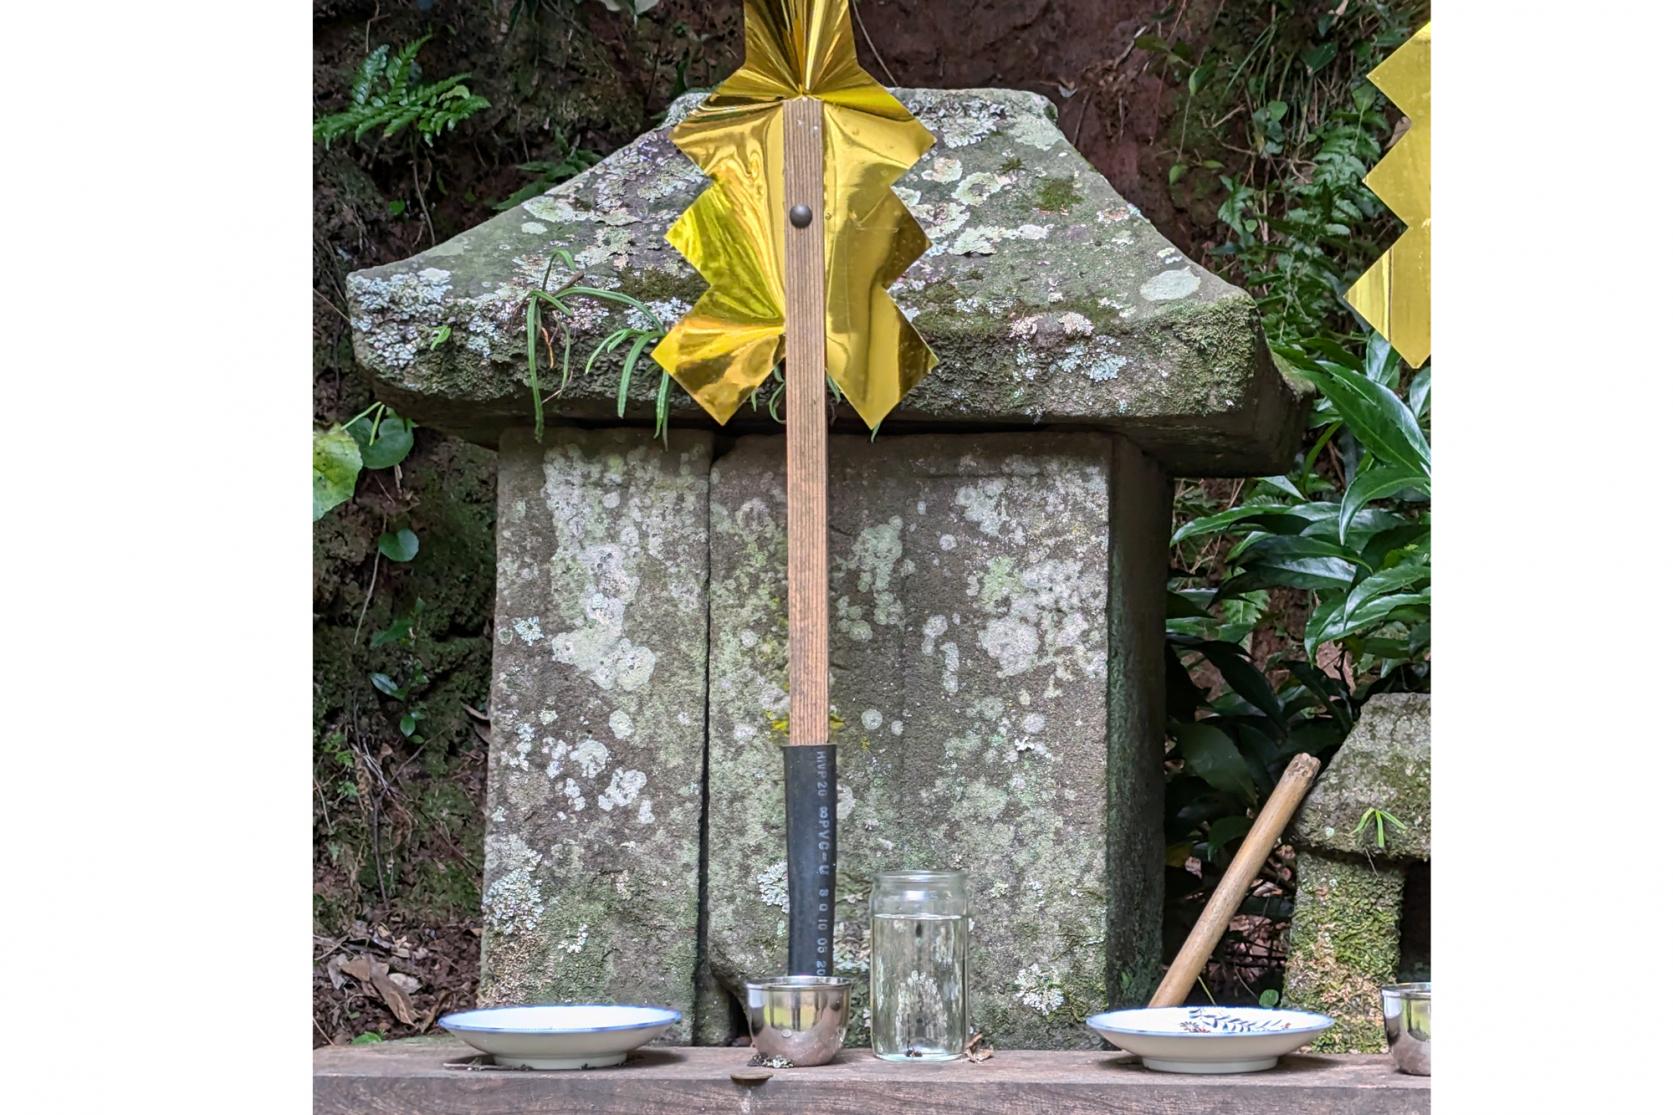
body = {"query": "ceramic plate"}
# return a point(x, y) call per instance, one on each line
point(1209, 1039)
point(570, 1036)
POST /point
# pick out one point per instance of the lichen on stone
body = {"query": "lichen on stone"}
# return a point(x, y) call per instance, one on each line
point(592, 803)
point(1038, 989)
point(1165, 286)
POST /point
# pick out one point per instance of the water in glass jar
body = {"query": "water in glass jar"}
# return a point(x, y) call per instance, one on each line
point(917, 981)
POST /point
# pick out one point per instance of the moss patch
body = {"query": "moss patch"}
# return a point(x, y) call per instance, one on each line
point(1056, 195)
point(1344, 946)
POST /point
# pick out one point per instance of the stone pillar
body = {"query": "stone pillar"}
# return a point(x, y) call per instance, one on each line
point(971, 621)
point(595, 777)
point(1141, 522)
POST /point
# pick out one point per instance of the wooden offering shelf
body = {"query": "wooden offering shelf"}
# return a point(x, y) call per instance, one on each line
point(413, 1078)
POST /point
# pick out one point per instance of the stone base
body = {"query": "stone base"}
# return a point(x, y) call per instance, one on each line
point(1344, 946)
point(996, 699)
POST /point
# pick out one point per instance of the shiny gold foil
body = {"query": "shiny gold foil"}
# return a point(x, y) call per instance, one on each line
point(734, 232)
point(1394, 294)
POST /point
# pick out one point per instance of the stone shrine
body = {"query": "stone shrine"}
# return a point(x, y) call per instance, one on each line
point(999, 561)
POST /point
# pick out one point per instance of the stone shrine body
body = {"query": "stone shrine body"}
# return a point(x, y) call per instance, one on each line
point(999, 562)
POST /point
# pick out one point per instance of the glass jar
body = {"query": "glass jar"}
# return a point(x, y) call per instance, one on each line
point(920, 934)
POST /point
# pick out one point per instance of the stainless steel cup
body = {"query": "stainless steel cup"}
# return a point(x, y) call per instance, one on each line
point(1406, 1021)
point(799, 1018)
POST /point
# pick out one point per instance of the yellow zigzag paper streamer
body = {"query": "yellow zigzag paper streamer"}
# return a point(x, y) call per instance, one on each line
point(1394, 294)
point(734, 232)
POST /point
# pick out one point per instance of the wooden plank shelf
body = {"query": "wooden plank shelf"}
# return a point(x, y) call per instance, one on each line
point(412, 1078)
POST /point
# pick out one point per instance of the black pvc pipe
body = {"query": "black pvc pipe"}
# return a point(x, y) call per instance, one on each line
point(810, 838)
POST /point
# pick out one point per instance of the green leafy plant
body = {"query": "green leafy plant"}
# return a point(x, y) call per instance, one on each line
point(388, 97)
point(1347, 532)
point(412, 712)
point(1355, 536)
point(335, 750)
point(389, 101)
point(402, 628)
point(1376, 816)
point(1290, 239)
point(1277, 128)
point(336, 468)
point(635, 338)
point(376, 438)
point(398, 545)
point(1381, 602)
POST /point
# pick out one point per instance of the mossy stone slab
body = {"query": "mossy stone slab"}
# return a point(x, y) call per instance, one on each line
point(1344, 946)
point(1047, 297)
point(1383, 764)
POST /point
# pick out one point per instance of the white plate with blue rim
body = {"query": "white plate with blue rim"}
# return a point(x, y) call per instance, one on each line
point(560, 1036)
point(1209, 1039)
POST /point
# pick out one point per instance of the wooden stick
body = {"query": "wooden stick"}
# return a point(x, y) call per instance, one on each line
point(809, 760)
point(805, 423)
point(1228, 896)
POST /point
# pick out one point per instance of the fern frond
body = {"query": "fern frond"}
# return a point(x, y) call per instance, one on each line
point(387, 95)
point(368, 74)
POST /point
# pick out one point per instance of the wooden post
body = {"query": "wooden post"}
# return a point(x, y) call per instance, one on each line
point(805, 423)
point(809, 759)
point(1234, 884)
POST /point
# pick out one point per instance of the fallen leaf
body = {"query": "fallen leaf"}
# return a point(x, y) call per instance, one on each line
point(390, 988)
point(441, 1001)
point(393, 996)
point(360, 967)
point(406, 983)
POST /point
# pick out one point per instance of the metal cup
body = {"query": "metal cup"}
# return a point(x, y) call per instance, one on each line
point(1406, 1021)
point(799, 1018)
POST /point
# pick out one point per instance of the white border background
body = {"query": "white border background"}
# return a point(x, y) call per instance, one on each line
point(157, 396)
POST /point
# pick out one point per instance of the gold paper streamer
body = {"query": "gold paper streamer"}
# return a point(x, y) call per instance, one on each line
point(734, 232)
point(1394, 294)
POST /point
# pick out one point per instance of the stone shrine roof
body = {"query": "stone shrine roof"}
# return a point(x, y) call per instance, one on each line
point(1047, 297)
